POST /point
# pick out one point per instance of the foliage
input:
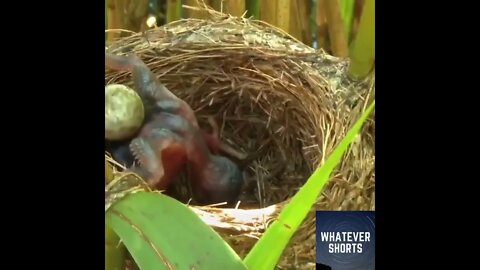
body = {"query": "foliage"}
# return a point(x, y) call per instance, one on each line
point(161, 233)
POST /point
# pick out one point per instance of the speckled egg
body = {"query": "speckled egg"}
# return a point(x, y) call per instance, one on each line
point(124, 112)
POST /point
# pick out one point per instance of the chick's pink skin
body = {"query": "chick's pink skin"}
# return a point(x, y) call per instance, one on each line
point(168, 143)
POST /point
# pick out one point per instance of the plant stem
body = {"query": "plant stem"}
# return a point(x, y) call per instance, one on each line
point(356, 17)
point(322, 26)
point(295, 28)
point(112, 19)
point(253, 9)
point(235, 7)
point(217, 5)
point(338, 39)
point(363, 48)
point(347, 8)
point(268, 11)
point(283, 14)
point(174, 10)
point(300, 21)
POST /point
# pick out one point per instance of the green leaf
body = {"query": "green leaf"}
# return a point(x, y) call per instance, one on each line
point(267, 251)
point(162, 233)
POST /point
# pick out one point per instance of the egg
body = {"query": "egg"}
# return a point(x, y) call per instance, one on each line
point(124, 112)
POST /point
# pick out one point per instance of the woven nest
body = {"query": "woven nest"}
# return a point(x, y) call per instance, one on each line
point(282, 104)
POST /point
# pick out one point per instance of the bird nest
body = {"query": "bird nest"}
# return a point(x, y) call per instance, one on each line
point(282, 105)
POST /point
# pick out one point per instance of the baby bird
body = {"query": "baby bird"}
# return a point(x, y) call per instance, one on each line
point(168, 143)
point(170, 138)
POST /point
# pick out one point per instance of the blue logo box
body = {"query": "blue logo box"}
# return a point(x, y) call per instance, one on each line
point(345, 240)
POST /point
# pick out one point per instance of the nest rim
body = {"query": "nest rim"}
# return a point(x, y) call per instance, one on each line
point(226, 220)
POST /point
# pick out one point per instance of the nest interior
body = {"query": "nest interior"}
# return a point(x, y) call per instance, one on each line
point(282, 104)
